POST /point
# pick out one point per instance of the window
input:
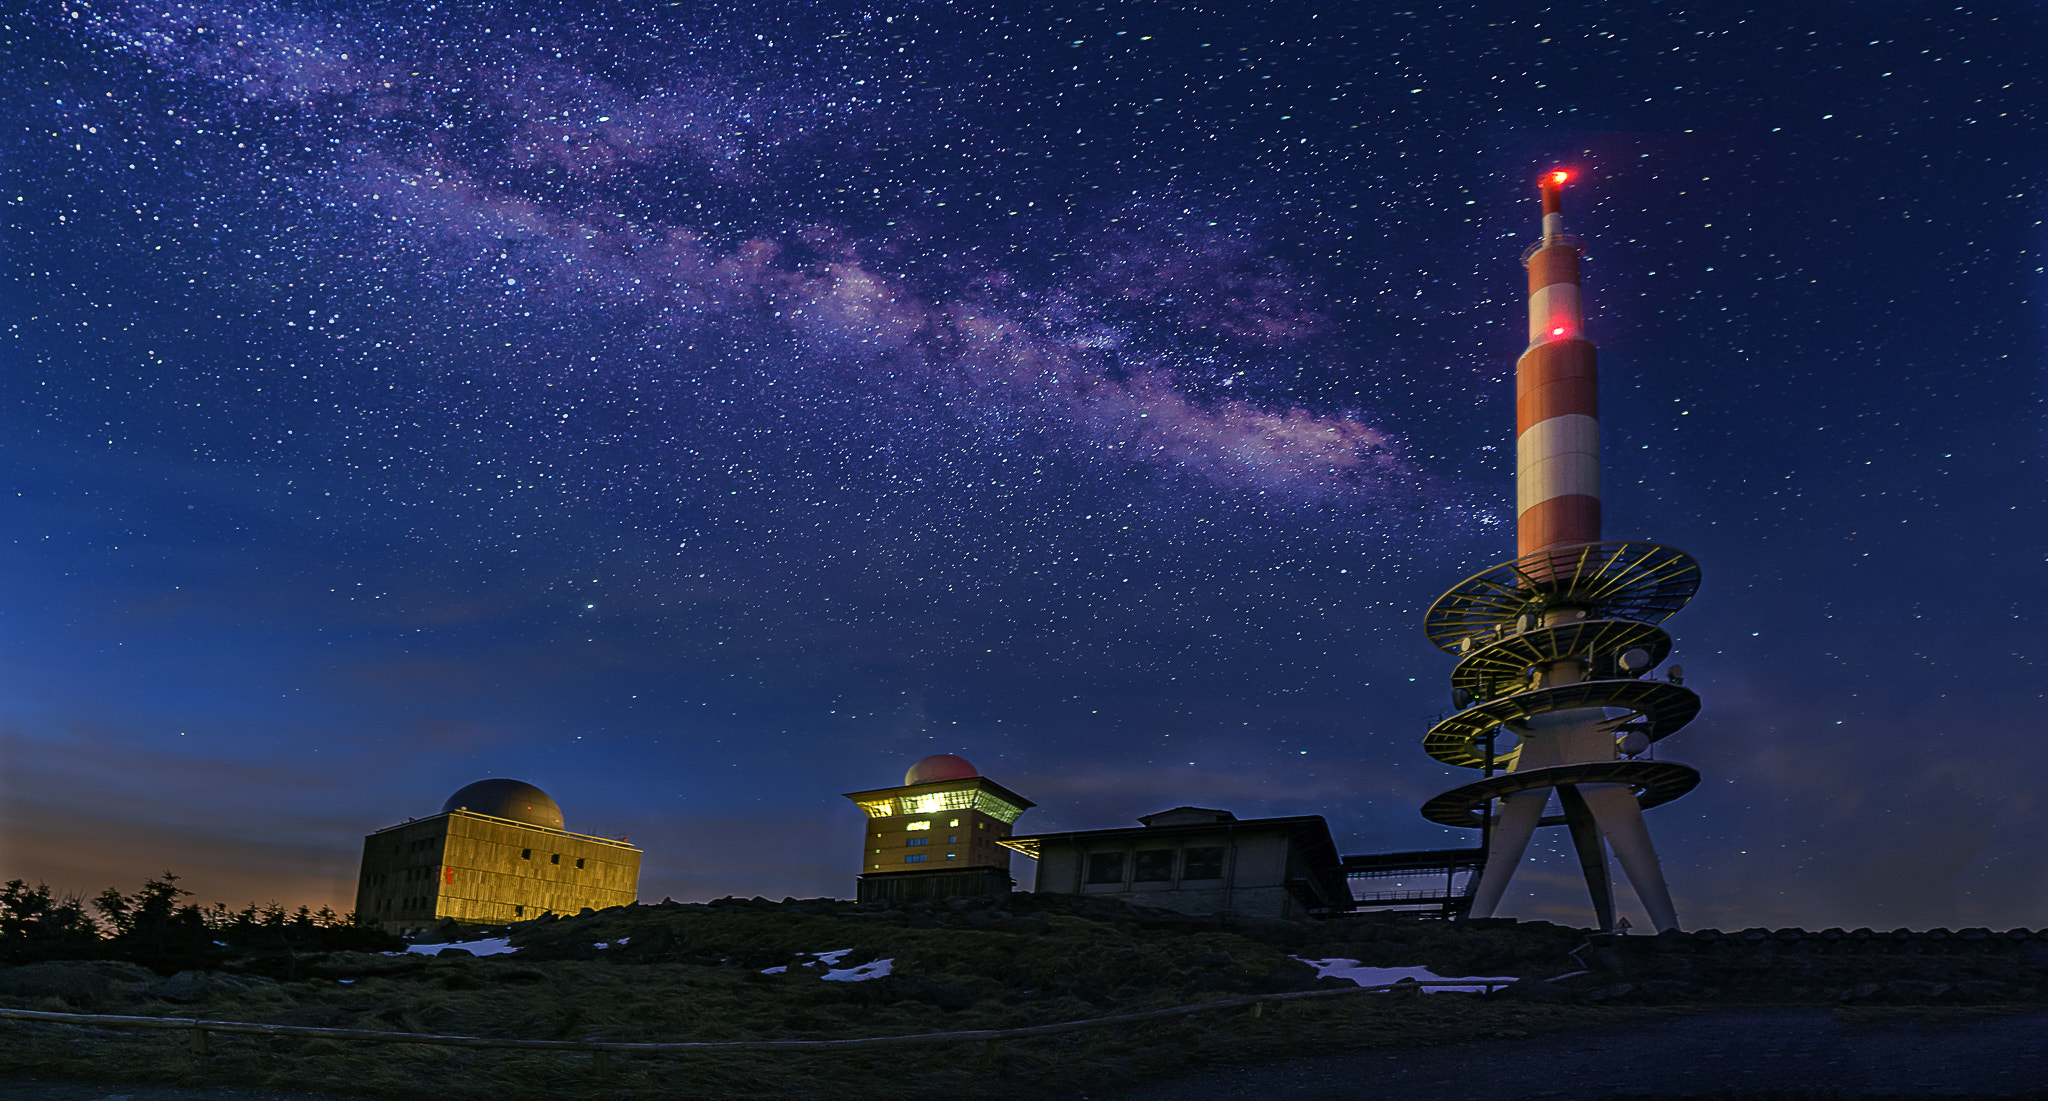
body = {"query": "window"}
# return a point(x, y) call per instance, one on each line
point(1203, 864)
point(917, 825)
point(1105, 867)
point(914, 858)
point(526, 854)
point(951, 856)
point(1000, 809)
point(555, 858)
point(518, 911)
point(1152, 866)
point(579, 862)
point(918, 841)
point(953, 840)
point(953, 822)
point(933, 802)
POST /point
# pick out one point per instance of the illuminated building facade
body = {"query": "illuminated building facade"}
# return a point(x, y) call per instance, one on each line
point(939, 835)
point(496, 853)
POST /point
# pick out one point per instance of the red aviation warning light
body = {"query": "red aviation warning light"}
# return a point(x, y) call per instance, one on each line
point(1551, 185)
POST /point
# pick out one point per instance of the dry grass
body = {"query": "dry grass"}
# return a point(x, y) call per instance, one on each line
point(647, 974)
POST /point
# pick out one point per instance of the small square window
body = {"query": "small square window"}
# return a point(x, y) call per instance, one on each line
point(1105, 867)
point(526, 854)
point(954, 822)
point(555, 858)
point(518, 911)
point(579, 862)
point(951, 856)
point(953, 840)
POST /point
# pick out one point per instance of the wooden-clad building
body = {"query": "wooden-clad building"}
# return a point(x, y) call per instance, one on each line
point(496, 853)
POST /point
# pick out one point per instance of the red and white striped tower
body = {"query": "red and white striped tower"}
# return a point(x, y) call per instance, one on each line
point(1557, 399)
point(1554, 646)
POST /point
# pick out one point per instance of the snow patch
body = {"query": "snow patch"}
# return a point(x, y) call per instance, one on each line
point(497, 947)
point(1381, 976)
point(873, 969)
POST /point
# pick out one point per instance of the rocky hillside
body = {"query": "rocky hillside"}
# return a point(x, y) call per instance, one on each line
point(752, 969)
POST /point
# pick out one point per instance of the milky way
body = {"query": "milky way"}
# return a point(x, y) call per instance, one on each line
point(683, 220)
point(650, 401)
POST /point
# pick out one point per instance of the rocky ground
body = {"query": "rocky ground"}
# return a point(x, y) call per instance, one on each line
point(749, 969)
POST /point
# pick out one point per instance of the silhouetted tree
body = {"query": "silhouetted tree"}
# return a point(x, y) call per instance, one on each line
point(156, 928)
point(151, 927)
point(35, 925)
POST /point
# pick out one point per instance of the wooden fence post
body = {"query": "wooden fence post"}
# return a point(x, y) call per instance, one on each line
point(199, 1041)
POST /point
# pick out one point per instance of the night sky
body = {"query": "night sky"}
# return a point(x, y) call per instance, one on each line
point(701, 411)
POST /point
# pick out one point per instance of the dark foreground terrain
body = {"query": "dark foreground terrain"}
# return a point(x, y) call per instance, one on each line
point(1821, 1014)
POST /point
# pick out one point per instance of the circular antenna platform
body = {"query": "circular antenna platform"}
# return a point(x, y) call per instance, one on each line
point(1655, 782)
point(1501, 667)
point(1657, 709)
point(1646, 582)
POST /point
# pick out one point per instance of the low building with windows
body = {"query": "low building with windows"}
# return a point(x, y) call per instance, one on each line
point(1200, 861)
point(939, 835)
point(496, 853)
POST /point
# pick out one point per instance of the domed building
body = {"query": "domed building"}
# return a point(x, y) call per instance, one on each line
point(940, 835)
point(498, 852)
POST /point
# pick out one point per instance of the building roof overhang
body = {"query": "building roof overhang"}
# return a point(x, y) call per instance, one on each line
point(982, 783)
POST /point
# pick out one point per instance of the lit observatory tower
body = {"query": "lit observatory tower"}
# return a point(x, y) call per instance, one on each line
point(1552, 646)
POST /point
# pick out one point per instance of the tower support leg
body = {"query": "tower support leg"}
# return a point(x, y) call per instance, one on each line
point(1578, 817)
point(1512, 827)
point(1614, 806)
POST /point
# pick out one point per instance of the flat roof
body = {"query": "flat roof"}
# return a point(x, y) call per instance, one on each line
point(465, 813)
point(1291, 823)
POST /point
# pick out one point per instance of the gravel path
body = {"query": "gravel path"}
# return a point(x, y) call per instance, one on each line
point(28, 1088)
point(1765, 1054)
point(1809, 1055)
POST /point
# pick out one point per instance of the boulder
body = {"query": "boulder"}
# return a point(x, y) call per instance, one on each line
point(187, 987)
point(78, 982)
point(1534, 990)
point(360, 965)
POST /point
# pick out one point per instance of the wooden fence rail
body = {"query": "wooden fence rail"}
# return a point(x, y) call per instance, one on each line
point(200, 1029)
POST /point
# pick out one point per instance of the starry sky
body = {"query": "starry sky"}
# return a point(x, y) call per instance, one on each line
point(701, 411)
